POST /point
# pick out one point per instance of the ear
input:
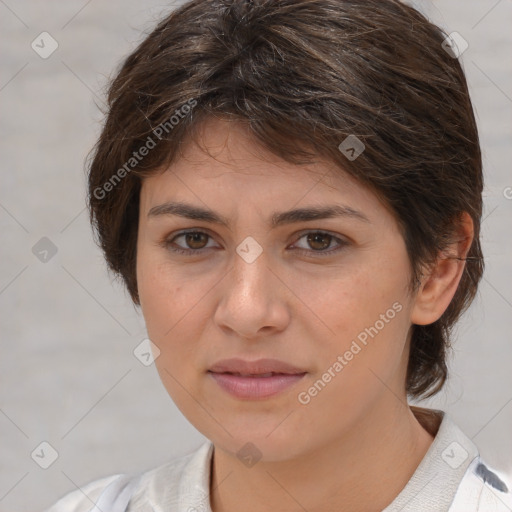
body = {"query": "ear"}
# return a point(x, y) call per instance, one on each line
point(440, 282)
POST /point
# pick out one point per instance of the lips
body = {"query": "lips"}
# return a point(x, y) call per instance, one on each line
point(254, 374)
point(260, 367)
point(252, 380)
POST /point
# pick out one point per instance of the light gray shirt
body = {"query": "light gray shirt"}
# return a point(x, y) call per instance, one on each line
point(450, 478)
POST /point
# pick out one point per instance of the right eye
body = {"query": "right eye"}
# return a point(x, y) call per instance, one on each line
point(195, 240)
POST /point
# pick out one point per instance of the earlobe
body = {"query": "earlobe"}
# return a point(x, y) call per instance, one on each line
point(440, 281)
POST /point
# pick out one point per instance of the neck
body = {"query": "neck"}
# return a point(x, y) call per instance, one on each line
point(365, 469)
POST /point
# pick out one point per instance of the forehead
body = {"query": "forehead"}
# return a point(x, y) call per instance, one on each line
point(225, 172)
point(224, 155)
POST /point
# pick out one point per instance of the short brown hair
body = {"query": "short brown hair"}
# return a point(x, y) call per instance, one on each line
point(303, 75)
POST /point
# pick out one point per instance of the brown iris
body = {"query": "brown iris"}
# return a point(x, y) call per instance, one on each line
point(319, 241)
point(194, 240)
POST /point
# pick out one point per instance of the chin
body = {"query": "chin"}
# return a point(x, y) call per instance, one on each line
point(261, 442)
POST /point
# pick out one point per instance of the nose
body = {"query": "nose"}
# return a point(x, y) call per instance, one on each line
point(253, 300)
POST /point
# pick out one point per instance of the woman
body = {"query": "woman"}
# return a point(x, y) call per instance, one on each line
point(292, 193)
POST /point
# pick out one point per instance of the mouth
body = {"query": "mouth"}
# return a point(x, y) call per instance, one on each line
point(256, 375)
point(253, 380)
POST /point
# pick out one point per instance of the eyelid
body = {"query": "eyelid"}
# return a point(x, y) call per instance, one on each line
point(341, 240)
point(167, 240)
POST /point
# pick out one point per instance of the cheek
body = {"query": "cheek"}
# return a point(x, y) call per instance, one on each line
point(175, 309)
point(174, 313)
point(168, 306)
point(366, 311)
point(161, 300)
point(355, 300)
point(360, 363)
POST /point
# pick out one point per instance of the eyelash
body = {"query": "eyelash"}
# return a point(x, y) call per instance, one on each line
point(166, 243)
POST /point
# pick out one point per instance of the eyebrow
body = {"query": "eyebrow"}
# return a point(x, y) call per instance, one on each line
point(277, 219)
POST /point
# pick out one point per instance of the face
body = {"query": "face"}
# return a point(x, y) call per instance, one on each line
point(324, 297)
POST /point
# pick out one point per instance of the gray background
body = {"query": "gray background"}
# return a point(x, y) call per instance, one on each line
point(68, 373)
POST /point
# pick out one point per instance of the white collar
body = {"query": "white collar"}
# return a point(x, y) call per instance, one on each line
point(433, 485)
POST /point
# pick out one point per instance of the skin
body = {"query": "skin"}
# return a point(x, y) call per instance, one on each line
point(356, 443)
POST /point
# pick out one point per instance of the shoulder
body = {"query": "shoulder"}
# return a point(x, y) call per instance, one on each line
point(84, 498)
point(483, 489)
point(163, 483)
point(181, 484)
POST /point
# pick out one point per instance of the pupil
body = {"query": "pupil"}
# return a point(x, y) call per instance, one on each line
point(321, 238)
point(192, 238)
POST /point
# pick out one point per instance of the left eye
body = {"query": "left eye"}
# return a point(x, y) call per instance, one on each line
point(319, 241)
point(196, 242)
